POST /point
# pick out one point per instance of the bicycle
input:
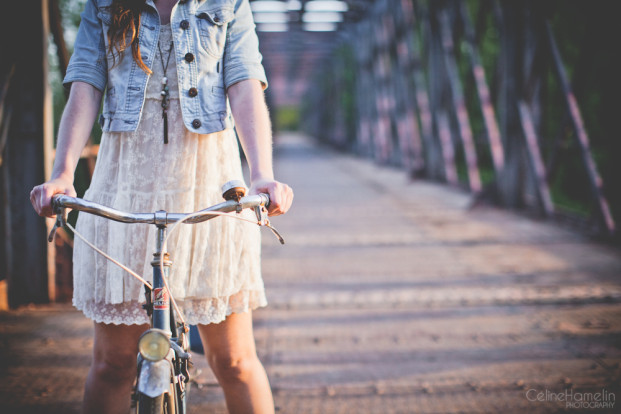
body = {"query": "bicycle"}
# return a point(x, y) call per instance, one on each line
point(163, 374)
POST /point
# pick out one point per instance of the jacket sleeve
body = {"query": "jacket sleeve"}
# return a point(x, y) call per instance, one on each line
point(88, 62)
point(242, 59)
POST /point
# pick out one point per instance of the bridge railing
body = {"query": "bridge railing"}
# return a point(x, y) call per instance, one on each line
point(408, 86)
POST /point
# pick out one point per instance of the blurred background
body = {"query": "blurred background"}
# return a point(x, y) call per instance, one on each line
point(514, 101)
point(466, 156)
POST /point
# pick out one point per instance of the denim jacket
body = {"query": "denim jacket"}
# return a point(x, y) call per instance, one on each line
point(215, 46)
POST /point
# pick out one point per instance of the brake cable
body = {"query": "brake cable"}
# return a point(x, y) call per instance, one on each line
point(262, 221)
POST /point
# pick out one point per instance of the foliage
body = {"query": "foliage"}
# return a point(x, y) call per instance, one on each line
point(70, 15)
point(287, 118)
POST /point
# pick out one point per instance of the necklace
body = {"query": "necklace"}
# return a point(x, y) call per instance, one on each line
point(165, 94)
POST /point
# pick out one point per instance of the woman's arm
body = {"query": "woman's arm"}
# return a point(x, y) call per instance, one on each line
point(75, 128)
point(254, 130)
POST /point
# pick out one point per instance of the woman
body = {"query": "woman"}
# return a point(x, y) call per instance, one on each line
point(173, 73)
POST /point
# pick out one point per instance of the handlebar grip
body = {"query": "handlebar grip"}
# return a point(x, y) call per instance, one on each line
point(266, 199)
point(56, 201)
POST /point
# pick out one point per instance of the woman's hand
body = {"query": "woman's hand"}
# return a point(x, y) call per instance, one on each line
point(281, 195)
point(41, 195)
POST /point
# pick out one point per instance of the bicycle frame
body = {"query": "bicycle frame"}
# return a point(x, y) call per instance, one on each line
point(154, 377)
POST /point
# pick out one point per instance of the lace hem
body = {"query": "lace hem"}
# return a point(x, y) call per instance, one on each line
point(196, 311)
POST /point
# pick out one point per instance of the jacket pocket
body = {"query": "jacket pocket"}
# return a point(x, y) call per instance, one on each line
point(212, 25)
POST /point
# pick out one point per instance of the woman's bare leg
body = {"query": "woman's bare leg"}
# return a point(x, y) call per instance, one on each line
point(111, 376)
point(231, 353)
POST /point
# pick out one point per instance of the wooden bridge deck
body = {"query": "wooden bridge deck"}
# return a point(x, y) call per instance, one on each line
point(389, 297)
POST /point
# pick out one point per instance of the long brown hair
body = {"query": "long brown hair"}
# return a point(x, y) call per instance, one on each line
point(124, 27)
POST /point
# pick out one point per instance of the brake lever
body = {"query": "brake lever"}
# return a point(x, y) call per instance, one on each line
point(61, 221)
point(276, 233)
point(261, 213)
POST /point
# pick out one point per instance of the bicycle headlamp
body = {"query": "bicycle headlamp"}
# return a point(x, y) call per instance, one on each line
point(154, 345)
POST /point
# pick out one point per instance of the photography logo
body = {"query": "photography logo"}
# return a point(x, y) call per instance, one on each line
point(574, 399)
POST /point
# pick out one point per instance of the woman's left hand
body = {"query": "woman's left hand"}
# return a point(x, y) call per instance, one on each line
point(281, 195)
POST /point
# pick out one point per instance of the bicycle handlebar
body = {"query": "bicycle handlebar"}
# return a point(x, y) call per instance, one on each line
point(160, 217)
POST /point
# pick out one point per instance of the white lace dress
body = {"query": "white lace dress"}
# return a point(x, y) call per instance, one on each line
point(216, 264)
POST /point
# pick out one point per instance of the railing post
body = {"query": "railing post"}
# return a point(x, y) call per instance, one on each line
point(457, 101)
point(438, 95)
point(603, 210)
point(407, 124)
point(511, 180)
point(483, 92)
point(27, 160)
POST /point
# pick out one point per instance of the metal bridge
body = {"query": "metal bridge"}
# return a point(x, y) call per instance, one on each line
point(464, 251)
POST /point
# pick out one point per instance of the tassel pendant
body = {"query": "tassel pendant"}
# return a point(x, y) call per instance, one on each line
point(165, 116)
point(165, 95)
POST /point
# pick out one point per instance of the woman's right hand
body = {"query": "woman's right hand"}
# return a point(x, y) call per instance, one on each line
point(41, 195)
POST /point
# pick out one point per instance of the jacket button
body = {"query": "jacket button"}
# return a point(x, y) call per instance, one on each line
point(184, 24)
point(216, 19)
point(196, 123)
point(192, 92)
point(189, 57)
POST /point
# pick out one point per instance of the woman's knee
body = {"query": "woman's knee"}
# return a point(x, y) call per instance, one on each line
point(234, 368)
point(115, 366)
point(114, 351)
point(230, 348)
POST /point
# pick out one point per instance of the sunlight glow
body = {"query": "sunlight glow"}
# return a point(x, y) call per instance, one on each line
point(272, 27)
point(322, 17)
point(294, 5)
point(268, 6)
point(271, 18)
point(326, 6)
point(320, 27)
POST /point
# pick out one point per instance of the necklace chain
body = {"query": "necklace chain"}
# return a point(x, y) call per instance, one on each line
point(165, 67)
point(165, 92)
